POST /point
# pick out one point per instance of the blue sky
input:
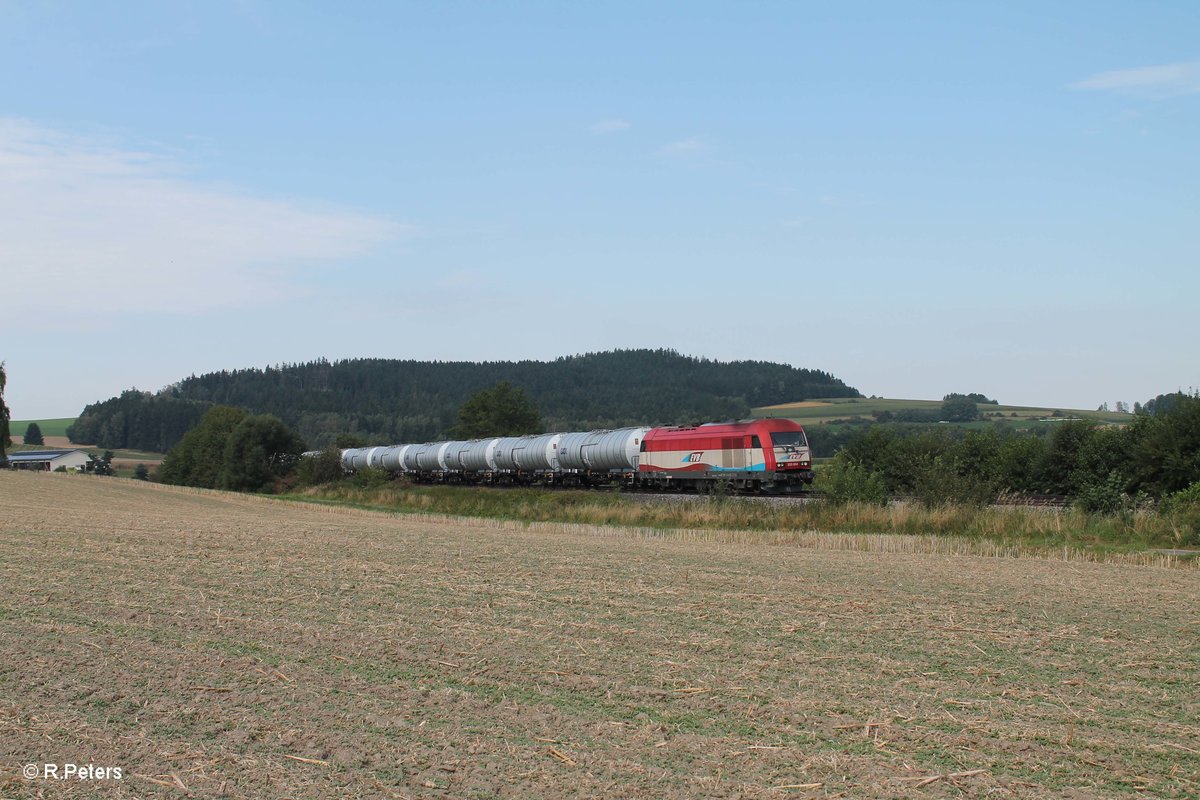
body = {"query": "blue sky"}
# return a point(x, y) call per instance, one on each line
point(918, 198)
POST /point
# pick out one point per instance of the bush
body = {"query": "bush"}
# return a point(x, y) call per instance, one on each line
point(844, 481)
point(1105, 496)
point(370, 478)
point(324, 467)
point(1182, 508)
point(939, 482)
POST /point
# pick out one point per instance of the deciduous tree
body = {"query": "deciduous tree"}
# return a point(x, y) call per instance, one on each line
point(259, 450)
point(503, 410)
point(959, 408)
point(200, 456)
point(1165, 451)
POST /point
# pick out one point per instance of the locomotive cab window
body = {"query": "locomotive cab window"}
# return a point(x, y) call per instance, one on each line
point(788, 439)
point(755, 443)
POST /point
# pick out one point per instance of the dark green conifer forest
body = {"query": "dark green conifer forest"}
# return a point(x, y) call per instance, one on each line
point(388, 400)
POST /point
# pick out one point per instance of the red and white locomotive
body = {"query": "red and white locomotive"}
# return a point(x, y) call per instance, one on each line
point(765, 455)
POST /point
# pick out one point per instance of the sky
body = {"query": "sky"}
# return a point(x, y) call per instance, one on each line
point(919, 198)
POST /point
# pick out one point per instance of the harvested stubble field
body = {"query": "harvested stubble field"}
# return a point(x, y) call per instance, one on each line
point(221, 645)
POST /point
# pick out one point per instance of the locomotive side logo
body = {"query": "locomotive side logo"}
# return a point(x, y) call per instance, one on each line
point(692, 458)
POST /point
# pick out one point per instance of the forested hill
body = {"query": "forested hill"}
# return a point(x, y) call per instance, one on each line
point(385, 400)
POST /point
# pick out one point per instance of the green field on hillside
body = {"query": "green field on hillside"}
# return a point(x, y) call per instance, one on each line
point(822, 411)
point(50, 427)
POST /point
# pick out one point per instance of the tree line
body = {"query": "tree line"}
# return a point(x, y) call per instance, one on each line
point(387, 400)
point(1103, 468)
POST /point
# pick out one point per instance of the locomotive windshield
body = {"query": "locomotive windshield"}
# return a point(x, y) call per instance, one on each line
point(788, 439)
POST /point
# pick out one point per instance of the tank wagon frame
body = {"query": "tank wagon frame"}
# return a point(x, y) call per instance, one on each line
point(768, 455)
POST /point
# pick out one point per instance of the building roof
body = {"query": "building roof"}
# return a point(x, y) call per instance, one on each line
point(25, 456)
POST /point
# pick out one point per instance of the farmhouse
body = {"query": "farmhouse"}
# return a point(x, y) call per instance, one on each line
point(48, 460)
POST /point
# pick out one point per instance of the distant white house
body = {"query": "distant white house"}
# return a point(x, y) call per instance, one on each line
point(49, 460)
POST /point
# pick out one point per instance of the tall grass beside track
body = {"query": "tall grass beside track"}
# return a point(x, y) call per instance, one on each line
point(1064, 533)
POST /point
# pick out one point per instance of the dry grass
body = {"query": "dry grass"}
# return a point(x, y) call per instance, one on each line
point(1068, 533)
point(223, 645)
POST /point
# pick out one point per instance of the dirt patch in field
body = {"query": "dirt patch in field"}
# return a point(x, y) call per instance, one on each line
point(222, 645)
point(60, 442)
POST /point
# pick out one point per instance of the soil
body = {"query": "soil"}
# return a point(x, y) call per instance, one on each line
point(220, 645)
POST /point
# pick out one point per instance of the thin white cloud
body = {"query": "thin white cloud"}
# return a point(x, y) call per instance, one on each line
point(610, 126)
point(1164, 80)
point(87, 227)
point(684, 148)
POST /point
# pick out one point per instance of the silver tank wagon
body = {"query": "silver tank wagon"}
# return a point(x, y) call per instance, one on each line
point(480, 455)
point(540, 454)
point(452, 456)
point(359, 457)
point(429, 456)
point(375, 457)
point(390, 459)
point(602, 451)
point(408, 457)
point(505, 454)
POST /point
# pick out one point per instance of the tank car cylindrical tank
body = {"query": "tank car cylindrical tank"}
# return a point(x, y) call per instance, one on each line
point(539, 454)
point(375, 456)
point(429, 456)
point(359, 457)
point(615, 450)
point(601, 451)
point(408, 457)
point(452, 455)
point(505, 454)
point(389, 459)
point(570, 450)
point(348, 457)
point(480, 455)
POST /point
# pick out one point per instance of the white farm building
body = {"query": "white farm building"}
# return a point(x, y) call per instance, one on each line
point(49, 460)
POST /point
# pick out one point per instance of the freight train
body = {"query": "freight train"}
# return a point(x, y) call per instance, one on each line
point(765, 455)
